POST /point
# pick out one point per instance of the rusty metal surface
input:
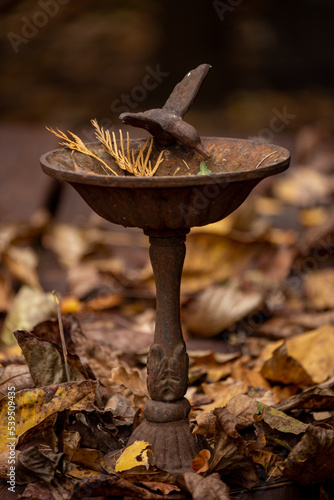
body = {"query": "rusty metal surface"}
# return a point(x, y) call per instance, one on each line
point(166, 123)
point(180, 201)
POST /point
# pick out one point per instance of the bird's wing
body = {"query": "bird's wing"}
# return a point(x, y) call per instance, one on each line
point(184, 93)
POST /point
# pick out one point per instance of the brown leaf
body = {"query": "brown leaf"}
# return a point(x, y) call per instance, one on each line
point(131, 378)
point(277, 419)
point(265, 458)
point(210, 487)
point(46, 361)
point(312, 459)
point(200, 464)
point(304, 359)
point(303, 187)
point(22, 263)
point(17, 375)
point(40, 464)
point(89, 458)
point(218, 307)
point(205, 424)
point(319, 288)
point(222, 392)
point(165, 488)
point(229, 452)
point(316, 398)
point(243, 407)
point(59, 489)
point(252, 378)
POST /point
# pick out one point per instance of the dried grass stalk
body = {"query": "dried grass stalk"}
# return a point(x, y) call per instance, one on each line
point(76, 144)
point(125, 159)
point(123, 156)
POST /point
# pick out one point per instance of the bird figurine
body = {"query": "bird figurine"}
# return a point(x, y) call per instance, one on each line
point(166, 124)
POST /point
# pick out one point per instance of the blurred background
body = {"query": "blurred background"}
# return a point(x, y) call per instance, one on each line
point(65, 62)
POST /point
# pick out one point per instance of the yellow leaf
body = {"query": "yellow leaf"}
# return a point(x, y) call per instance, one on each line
point(135, 455)
point(33, 406)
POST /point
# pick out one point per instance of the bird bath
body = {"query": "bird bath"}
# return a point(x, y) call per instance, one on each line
point(166, 206)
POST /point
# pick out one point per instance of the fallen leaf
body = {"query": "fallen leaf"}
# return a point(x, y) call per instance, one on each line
point(82, 472)
point(22, 263)
point(40, 464)
point(200, 463)
point(244, 408)
point(265, 458)
point(229, 452)
point(46, 361)
point(33, 406)
point(312, 459)
point(71, 442)
point(135, 455)
point(99, 429)
point(313, 216)
point(210, 487)
point(17, 375)
point(252, 378)
point(316, 398)
point(205, 424)
point(222, 392)
point(304, 359)
point(89, 458)
point(319, 288)
point(29, 308)
point(277, 419)
point(165, 488)
point(303, 187)
point(218, 307)
point(68, 242)
point(131, 378)
point(62, 488)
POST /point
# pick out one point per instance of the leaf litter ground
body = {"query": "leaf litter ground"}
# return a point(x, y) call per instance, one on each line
point(258, 318)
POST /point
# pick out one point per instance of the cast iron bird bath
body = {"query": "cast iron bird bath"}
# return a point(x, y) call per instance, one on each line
point(166, 206)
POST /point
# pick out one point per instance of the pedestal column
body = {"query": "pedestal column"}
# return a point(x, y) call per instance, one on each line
point(166, 426)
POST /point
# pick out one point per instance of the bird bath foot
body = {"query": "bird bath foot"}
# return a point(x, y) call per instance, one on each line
point(172, 443)
point(166, 206)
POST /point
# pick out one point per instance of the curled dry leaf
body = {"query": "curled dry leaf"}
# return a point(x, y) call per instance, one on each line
point(210, 487)
point(305, 359)
point(312, 459)
point(200, 464)
point(230, 452)
point(218, 307)
point(316, 398)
